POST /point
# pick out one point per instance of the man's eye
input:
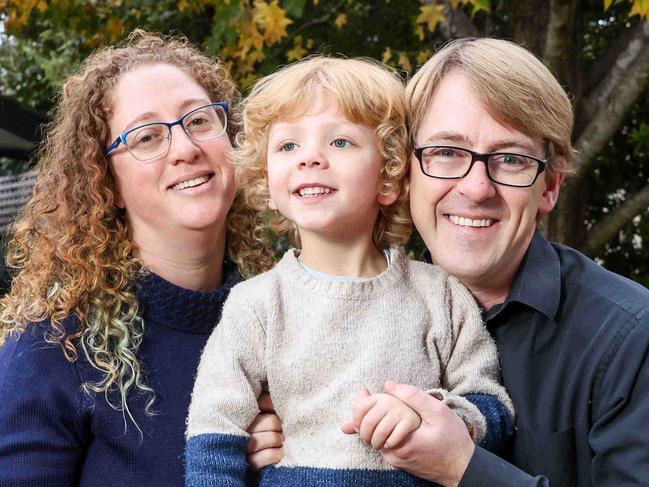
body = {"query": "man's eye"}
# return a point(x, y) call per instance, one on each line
point(341, 143)
point(512, 161)
point(287, 147)
point(446, 153)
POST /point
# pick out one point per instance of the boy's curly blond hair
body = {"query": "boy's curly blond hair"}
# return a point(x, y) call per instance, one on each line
point(367, 93)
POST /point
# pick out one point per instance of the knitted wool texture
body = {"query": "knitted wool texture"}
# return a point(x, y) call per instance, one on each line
point(315, 343)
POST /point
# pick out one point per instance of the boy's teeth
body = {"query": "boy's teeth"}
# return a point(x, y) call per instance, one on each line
point(467, 222)
point(190, 183)
point(313, 191)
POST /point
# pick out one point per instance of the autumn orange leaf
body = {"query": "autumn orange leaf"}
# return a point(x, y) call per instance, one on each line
point(272, 20)
point(431, 15)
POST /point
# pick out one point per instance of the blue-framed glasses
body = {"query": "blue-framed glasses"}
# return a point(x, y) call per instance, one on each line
point(506, 168)
point(151, 140)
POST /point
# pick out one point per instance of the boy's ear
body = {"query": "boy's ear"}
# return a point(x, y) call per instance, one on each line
point(386, 196)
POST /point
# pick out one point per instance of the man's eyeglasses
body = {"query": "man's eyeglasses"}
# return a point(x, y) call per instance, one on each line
point(152, 140)
point(508, 169)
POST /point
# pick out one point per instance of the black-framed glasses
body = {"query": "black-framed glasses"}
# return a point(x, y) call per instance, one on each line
point(151, 140)
point(506, 168)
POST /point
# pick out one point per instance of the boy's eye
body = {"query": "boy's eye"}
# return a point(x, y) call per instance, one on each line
point(341, 143)
point(287, 147)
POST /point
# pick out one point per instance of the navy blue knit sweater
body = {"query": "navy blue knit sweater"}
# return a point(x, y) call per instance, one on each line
point(54, 434)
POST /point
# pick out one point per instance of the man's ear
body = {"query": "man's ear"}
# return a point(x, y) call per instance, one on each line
point(550, 194)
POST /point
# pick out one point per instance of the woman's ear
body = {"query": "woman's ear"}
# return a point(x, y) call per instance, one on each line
point(119, 201)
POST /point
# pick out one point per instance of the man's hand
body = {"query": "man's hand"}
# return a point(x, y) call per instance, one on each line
point(439, 450)
point(381, 420)
point(265, 445)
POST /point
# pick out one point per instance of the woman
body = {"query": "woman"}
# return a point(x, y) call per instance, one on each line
point(124, 256)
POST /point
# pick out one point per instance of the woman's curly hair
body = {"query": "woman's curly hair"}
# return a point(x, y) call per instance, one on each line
point(70, 252)
point(367, 93)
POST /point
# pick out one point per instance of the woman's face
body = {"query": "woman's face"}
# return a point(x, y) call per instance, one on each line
point(188, 189)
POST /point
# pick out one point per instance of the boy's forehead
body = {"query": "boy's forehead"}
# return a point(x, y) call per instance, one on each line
point(325, 102)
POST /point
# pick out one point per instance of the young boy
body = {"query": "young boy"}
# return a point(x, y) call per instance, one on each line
point(324, 154)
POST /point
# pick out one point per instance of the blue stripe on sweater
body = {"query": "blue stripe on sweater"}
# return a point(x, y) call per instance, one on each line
point(215, 459)
point(324, 477)
point(499, 422)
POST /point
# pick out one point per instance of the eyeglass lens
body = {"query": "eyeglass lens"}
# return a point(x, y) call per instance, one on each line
point(450, 162)
point(154, 139)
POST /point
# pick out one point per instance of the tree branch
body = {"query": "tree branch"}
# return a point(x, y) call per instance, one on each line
point(619, 90)
point(606, 228)
point(612, 68)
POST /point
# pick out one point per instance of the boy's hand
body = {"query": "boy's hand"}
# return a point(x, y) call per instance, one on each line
point(266, 438)
point(381, 420)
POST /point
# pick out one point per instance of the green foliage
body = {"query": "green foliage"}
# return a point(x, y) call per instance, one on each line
point(45, 40)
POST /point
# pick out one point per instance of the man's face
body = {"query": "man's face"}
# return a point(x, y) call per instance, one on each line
point(474, 228)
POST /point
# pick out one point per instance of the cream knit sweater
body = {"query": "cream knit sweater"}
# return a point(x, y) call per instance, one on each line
point(314, 343)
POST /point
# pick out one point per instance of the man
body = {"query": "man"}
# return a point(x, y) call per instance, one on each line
point(573, 338)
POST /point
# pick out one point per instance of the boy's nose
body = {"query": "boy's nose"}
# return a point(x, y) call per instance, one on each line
point(310, 163)
point(313, 158)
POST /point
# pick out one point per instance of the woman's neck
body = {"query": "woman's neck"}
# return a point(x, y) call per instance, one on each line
point(339, 257)
point(193, 260)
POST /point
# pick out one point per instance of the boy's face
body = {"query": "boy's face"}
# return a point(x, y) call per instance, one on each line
point(324, 173)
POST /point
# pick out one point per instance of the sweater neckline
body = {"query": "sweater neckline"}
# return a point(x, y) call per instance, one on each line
point(290, 267)
point(162, 303)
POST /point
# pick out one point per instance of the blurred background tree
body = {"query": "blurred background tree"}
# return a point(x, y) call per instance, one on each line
point(599, 50)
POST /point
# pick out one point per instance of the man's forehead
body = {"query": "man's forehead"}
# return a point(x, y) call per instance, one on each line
point(458, 114)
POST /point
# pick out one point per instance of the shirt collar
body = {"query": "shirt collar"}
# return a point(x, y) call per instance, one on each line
point(538, 281)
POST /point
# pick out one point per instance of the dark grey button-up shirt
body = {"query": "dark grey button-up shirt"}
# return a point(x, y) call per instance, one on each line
point(573, 341)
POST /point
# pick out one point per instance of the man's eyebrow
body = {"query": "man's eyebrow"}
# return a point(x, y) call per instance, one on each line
point(454, 137)
point(514, 145)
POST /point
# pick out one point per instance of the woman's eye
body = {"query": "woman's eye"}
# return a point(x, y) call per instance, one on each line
point(198, 121)
point(287, 147)
point(145, 137)
point(341, 143)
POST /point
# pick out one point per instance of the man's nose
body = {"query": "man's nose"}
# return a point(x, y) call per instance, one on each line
point(476, 185)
